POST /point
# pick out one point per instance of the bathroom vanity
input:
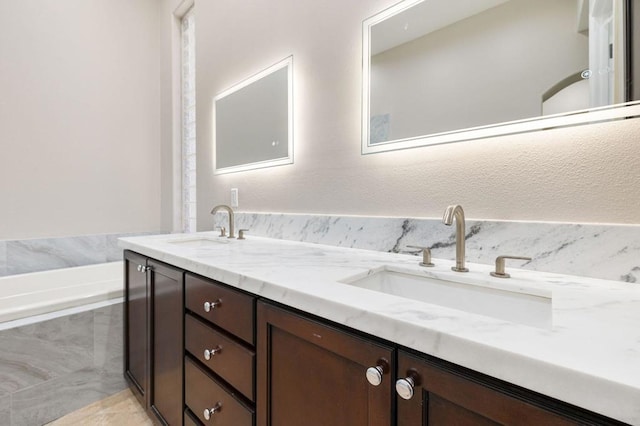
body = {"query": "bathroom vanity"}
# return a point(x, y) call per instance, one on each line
point(271, 332)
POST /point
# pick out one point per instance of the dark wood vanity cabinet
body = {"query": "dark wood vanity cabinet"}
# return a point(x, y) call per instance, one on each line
point(136, 335)
point(312, 374)
point(220, 354)
point(441, 397)
point(442, 394)
point(167, 289)
point(154, 313)
point(243, 362)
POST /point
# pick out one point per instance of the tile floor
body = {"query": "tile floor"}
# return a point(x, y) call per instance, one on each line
point(121, 409)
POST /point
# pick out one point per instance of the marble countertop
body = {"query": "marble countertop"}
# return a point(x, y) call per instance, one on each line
point(589, 356)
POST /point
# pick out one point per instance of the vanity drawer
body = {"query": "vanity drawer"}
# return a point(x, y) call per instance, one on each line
point(189, 420)
point(234, 362)
point(234, 310)
point(202, 393)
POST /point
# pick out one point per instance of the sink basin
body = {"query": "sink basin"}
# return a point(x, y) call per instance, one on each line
point(529, 307)
point(198, 242)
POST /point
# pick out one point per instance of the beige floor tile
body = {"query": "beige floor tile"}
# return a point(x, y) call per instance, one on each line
point(121, 409)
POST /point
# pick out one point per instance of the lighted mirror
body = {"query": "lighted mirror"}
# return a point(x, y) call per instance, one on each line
point(253, 121)
point(440, 71)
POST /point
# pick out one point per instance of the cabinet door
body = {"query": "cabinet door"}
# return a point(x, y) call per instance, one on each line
point(166, 399)
point(315, 375)
point(442, 396)
point(135, 325)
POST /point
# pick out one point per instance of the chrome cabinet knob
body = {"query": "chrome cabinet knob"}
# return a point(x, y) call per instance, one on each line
point(405, 387)
point(208, 353)
point(374, 374)
point(208, 412)
point(208, 306)
point(143, 269)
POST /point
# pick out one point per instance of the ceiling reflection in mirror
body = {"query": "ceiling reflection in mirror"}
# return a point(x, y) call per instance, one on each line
point(438, 71)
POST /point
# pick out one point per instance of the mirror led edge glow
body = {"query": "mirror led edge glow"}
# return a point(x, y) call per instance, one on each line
point(288, 63)
point(367, 148)
point(620, 111)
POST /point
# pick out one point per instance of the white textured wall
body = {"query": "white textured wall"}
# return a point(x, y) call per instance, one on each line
point(636, 58)
point(79, 117)
point(581, 174)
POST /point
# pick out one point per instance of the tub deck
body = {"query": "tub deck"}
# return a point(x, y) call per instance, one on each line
point(36, 293)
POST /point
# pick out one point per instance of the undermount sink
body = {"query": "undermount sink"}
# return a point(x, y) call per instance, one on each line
point(198, 242)
point(530, 307)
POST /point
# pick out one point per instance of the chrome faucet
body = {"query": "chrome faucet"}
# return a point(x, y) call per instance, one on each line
point(231, 219)
point(455, 212)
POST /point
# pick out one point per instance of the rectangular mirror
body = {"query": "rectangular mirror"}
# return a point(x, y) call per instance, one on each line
point(440, 71)
point(253, 121)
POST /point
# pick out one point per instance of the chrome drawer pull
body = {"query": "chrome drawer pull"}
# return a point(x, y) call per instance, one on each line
point(208, 306)
point(209, 411)
point(208, 353)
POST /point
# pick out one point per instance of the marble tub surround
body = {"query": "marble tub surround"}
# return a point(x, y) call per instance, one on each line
point(5, 409)
point(3, 258)
point(51, 368)
point(610, 252)
point(590, 357)
point(43, 254)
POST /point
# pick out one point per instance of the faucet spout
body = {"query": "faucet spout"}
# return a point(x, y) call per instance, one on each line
point(455, 212)
point(231, 218)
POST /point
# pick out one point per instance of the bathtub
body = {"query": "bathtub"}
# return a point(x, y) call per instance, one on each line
point(41, 295)
point(61, 338)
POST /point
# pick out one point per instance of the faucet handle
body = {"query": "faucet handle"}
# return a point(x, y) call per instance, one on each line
point(500, 260)
point(426, 256)
point(223, 231)
point(241, 234)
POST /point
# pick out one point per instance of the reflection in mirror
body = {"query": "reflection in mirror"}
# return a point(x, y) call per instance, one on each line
point(438, 71)
point(253, 121)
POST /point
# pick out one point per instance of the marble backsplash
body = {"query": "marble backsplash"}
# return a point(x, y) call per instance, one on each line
point(593, 250)
point(41, 254)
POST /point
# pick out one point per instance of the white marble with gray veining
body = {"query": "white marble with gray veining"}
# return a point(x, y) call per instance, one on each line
point(590, 357)
point(55, 366)
point(5, 409)
point(3, 258)
point(43, 254)
point(605, 251)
